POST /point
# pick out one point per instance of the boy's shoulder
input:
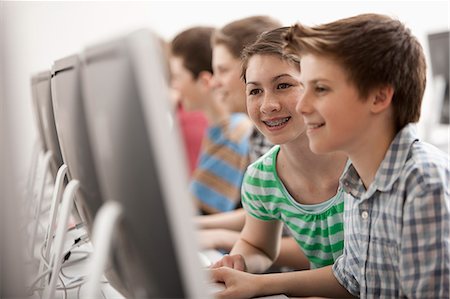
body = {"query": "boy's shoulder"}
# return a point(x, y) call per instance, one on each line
point(412, 165)
point(427, 162)
point(425, 170)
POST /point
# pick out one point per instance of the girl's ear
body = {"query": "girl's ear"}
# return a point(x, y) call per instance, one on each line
point(382, 98)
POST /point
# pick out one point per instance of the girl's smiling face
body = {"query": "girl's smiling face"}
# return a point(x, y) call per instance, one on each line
point(272, 93)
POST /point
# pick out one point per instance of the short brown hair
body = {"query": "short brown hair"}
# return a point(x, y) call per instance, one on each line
point(375, 50)
point(268, 43)
point(194, 47)
point(238, 34)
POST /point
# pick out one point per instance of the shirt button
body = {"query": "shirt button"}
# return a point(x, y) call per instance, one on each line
point(364, 215)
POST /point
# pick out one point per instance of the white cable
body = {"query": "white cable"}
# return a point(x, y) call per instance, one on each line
point(46, 266)
point(50, 230)
point(33, 169)
point(37, 279)
point(60, 236)
point(37, 214)
point(57, 194)
point(105, 221)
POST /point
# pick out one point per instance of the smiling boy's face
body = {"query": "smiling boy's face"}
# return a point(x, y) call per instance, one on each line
point(336, 117)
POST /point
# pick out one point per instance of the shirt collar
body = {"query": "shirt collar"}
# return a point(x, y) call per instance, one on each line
point(389, 170)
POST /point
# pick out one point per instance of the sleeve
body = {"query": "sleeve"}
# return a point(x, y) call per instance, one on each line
point(425, 251)
point(345, 266)
point(343, 276)
point(250, 200)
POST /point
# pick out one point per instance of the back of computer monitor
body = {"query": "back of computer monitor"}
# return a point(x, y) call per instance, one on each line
point(36, 113)
point(439, 44)
point(140, 162)
point(44, 103)
point(73, 136)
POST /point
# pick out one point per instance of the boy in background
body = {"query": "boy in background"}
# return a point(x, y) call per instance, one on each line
point(216, 181)
point(221, 231)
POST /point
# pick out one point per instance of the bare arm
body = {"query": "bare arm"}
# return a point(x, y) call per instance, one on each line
point(318, 282)
point(291, 255)
point(233, 220)
point(259, 244)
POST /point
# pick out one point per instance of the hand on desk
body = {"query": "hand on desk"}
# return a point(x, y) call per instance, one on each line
point(232, 261)
point(238, 284)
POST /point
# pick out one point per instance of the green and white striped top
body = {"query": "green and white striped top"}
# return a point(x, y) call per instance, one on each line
point(318, 229)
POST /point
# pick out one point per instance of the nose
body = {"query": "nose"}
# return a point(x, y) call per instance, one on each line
point(269, 104)
point(304, 103)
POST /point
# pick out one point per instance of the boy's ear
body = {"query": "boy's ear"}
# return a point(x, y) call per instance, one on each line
point(382, 98)
point(205, 77)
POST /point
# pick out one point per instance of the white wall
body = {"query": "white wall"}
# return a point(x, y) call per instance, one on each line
point(37, 33)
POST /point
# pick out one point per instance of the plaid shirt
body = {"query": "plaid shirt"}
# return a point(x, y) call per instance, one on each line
point(397, 233)
point(259, 145)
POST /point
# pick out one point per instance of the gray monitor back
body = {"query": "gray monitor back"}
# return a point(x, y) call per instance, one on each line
point(45, 106)
point(439, 44)
point(37, 115)
point(139, 158)
point(73, 136)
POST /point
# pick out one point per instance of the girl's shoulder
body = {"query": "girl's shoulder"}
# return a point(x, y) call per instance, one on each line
point(266, 162)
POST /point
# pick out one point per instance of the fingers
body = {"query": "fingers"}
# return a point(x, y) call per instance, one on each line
point(230, 279)
point(231, 261)
point(219, 275)
point(216, 274)
point(221, 262)
point(239, 264)
point(228, 261)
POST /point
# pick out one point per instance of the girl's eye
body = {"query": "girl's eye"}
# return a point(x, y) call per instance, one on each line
point(254, 91)
point(283, 85)
point(321, 89)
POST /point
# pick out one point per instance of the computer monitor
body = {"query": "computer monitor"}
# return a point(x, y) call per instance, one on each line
point(73, 136)
point(439, 55)
point(43, 99)
point(36, 113)
point(139, 158)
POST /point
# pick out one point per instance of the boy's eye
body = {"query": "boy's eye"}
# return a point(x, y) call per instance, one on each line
point(220, 70)
point(321, 89)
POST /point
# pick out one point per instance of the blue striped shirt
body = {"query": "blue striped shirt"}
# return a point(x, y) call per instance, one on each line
point(216, 182)
point(397, 232)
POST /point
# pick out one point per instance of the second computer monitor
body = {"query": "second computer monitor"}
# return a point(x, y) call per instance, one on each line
point(43, 99)
point(73, 135)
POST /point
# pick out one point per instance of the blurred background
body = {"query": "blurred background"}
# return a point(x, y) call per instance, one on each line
point(34, 34)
